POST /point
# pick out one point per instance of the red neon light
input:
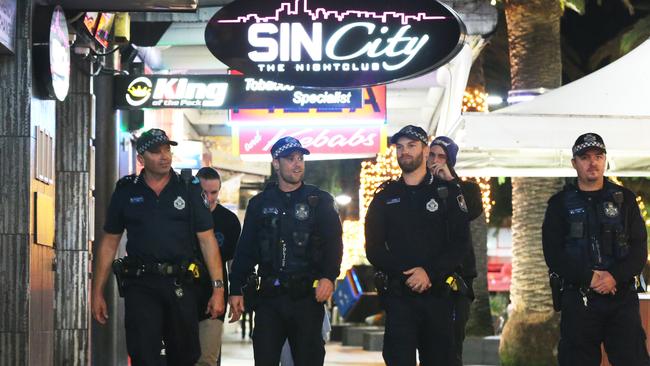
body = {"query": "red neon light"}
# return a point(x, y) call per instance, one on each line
point(321, 13)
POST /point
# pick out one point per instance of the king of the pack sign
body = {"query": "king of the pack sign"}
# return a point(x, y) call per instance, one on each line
point(335, 43)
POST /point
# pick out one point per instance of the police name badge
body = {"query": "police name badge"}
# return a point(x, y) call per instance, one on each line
point(270, 211)
point(301, 212)
point(461, 202)
point(610, 209)
point(432, 205)
point(179, 203)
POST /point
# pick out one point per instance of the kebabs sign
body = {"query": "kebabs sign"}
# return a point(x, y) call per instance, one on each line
point(335, 43)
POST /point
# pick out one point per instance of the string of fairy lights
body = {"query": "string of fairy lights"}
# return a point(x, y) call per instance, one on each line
point(486, 200)
point(475, 100)
point(374, 173)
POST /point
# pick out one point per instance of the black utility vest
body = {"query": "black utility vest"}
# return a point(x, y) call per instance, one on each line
point(287, 234)
point(597, 234)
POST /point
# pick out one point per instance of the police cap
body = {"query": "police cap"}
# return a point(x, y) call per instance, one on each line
point(151, 139)
point(411, 132)
point(285, 146)
point(586, 142)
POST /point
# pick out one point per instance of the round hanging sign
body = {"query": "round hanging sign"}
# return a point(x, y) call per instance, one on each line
point(335, 43)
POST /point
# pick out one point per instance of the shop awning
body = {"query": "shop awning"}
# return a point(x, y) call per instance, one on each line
point(534, 138)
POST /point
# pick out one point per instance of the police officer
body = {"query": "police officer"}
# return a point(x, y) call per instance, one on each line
point(292, 230)
point(226, 230)
point(163, 217)
point(417, 234)
point(595, 240)
point(443, 152)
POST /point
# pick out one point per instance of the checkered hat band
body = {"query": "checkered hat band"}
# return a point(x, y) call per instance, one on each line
point(286, 147)
point(420, 136)
point(416, 134)
point(589, 144)
point(153, 142)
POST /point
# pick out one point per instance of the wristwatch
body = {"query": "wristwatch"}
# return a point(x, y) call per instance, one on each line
point(217, 284)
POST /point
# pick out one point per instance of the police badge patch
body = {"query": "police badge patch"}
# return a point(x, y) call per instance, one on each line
point(610, 209)
point(301, 211)
point(432, 205)
point(179, 203)
point(461, 202)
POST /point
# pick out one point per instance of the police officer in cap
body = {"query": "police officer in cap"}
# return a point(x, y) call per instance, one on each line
point(595, 242)
point(164, 217)
point(293, 232)
point(443, 152)
point(417, 234)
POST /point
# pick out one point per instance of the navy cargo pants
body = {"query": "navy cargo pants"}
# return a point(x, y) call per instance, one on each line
point(154, 312)
point(612, 320)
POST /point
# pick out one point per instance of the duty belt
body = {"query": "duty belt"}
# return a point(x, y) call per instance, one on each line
point(128, 268)
point(296, 286)
point(631, 286)
point(395, 285)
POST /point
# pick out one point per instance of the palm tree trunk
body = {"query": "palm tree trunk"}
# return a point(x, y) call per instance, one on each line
point(531, 333)
point(534, 43)
point(480, 318)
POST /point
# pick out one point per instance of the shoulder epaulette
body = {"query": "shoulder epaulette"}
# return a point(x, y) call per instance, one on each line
point(127, 179)
point(384, 185)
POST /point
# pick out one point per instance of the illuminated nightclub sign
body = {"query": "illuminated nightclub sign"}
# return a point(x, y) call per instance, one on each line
point(335, 43)
point(225, 92)
point(327, 141)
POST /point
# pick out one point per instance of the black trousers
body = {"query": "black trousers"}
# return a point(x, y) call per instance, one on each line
point(155, 313)
point(300, 320)
point(612, 320)
point(460, 316)
point(422, 322)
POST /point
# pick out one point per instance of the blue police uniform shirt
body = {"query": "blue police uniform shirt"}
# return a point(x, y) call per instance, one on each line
point(327, 225)
point(158, 227)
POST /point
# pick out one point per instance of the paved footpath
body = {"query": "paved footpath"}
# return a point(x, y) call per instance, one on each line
point(238, 352)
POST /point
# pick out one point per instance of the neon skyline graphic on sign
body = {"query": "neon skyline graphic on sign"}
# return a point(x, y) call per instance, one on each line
point(324, 14)
point(335, 43)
